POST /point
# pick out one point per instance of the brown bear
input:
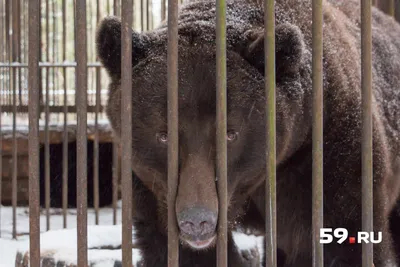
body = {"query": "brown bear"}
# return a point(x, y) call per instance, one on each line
point(197, 198)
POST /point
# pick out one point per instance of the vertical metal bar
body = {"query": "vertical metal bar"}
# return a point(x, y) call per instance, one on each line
point(13, 57)
point(116, 8)
point(40, 59)
point(96, 135)
point(81, 104)
point(115, 154)
point(65, 137)
point(7, 38)
point(163, 9)
point(147, 15)
point(367, 168)
point(55, 34)
point(317, 174)
point(34, 193)
point(270, 183)
point(18, 46)
point(126, 131)
point(115, 179)
point(173, 135)
point(150, 14)
point(46, 131)
point(391, 8)
point(141, 15)
point(221, 156)
point(2, 73)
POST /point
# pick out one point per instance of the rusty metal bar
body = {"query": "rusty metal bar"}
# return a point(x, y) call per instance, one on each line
point(126, 130)
point(270, 182)
point(34, 193)
point(96, 135)
point(65, 111)
point(317, 135)
point(173, 137)
point(221, 151)
point(367, 171)
point(46, 126)
point(81, 103)
point(13, 85)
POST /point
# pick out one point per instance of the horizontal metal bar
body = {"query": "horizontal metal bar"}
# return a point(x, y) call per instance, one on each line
point(65, 64)
point(52, 109)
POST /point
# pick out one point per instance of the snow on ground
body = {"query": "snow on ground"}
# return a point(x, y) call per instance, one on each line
point(60, 243)
point(62, 240)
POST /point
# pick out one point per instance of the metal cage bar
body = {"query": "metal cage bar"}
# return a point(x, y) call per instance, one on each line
point(221, 110)
point(13, 84)
point(2, 83)
point(173, 138)
point(270, 113)
point(317, 134)
point(47, 114)
point(65, 111)
point(81, 142)
point(367, 161)
point(126, 130)
point(34, 211)
point(96, 195)
point(116, 150)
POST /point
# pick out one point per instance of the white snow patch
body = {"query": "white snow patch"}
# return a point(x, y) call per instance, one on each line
point(8, 251)
point(60, 243)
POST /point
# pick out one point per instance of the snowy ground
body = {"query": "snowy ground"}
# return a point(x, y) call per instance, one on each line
point(60, 243)
point(63, 241)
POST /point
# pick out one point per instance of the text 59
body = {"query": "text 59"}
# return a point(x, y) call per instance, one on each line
point(327, 234)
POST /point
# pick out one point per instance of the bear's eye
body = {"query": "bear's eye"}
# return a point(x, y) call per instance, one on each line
point(231, 135)
point(162, 137)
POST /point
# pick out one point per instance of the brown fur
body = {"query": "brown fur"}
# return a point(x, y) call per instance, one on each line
point(246, 105)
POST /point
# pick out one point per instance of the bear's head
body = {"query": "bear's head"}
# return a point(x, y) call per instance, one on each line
point(197, 197)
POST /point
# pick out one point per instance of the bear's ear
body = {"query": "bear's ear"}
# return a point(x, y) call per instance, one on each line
point(289, 49)
point(108, 45)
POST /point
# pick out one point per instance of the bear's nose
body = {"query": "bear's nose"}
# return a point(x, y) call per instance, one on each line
point(197, 222)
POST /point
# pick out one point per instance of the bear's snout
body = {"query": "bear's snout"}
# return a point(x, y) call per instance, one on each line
point(197, 226)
